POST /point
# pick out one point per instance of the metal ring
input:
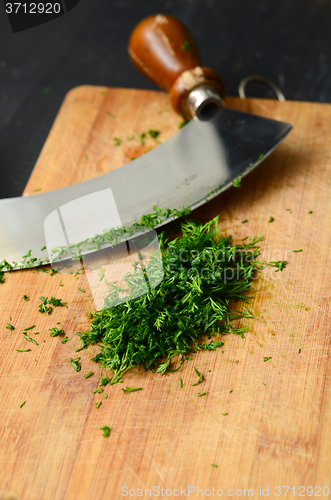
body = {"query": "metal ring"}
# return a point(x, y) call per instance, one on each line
point(256, 78)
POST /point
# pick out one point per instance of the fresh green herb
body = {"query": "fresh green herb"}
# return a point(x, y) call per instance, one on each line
point(299, 351)
point(43, 306)
point(271, 219)
point(154, 133)
point(10, 327)
point(98, 390)
point(42, 270)
point(288, 210)
point(64, 340)
point(244, 221)
point(132, 389)
point(23, 350)
point(111, 114)
point(266, 358)
point(310, 212)
point(225, 414)
point(47, 90)
point(199, 375)
point(101, 276)
point(81, 290)
point(97, 405)
point(25, 297)
point(237, 183)
point(296, 251)
point(185, 45)
point(53, 271)
point(56, 302)
point(106, 430)
point(104, 380)
point(43, 248)
point(37, 190)
point(29, 339)
point(202, 272)
point(231, 391)
point(181, 385)
point(88, 375)
point(260, 157)
point(55, 332)
point(29, 328)
point(142, 138)
point(21, 406)
point(280, 264)
point(202, 394)
point(118, 141)
point(105, 395)
point(214, 465)
point(76, 364)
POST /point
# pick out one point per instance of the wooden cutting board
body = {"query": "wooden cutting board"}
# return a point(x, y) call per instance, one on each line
point(264, 424)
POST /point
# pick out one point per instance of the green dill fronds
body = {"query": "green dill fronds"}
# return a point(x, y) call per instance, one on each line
point(154, 133)
point(280, 264)
point(21, 405)
point(64, 340)
point(23, 350)
point(76, 364)
point(29, 328)
point(199, 375)
point(106, 430)
point(88, 375)
point(132, 389)
point(266, 358)
point(97, 405)
point(214, 465)
point(55, 332)
point(201, 394)
point(237, 183)
point(181, 385)
point(117, 141)
point(9, 326)
point(29, 339)
point(26, 298)
point(271, 219)
point(297, 251)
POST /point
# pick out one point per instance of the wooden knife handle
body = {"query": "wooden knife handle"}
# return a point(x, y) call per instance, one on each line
point(164, 51)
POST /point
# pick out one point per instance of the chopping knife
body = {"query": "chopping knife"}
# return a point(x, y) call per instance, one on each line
point(216, 148)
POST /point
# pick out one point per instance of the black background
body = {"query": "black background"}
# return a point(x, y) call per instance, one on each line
point(287, 41)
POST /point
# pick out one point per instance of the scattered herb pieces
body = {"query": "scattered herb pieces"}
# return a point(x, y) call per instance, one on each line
point(25, 297)
point(288, 210)
point(299, 351)
point(103, 380)
point(185, 45)
point(244, 221)
point(181, 385)
point(310, 212)
point(101, 276)
point(132, 389)
point(201, 394)
point(237, 183)
point(142, 138)
point(9, 326)
point(106, 430)
point(154, 133)
point(29, 339)
point(199, 375)
point(105, 395)
point(99, 390)
point(76, 364)
point(37, 190)
point(297, 251)
point(55, 332)
point(56, 302)
point(43, 248)
point(231, 391)
point(64, 340)
point(81, 290)
point(54, 271)
point(225, 414)
point(21, 406)
point(202, 272)
point(260, 157)
point(88, 375)
point(214, 465)
point(271, 219)
point(280, 264)
point(118, 141)
point(29, 328)
point(23, 350)
point(97, 405)
point(266, 358)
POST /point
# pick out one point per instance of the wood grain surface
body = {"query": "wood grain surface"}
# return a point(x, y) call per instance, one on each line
point(264, 424)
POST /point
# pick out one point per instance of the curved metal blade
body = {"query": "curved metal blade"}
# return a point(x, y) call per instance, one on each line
point(199, 162)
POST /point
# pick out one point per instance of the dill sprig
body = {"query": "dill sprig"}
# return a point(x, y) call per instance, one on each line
point(203, 275)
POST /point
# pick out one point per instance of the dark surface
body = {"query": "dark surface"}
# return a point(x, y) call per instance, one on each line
point(288, 41)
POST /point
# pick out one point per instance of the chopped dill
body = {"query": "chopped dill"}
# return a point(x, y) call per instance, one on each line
point(23, 350)
point(154, 133)
point(225, 414)
point(199, 375)
point(88, 375)
point(142, 138)
point(55, 332)
point(29, 328)
point(201, 394)
point(214, 465)
point(21, 405)
point(299, 351)
point(26, 298)
point(97, 405)
point(244, 221)
point(29, 339)
point(81, 290)
point(106, 430)
point(202, 272)
point(76, 364)
point(9, 326)
point(297, 251)
point(310, 212)
point(99, 390)
point(271, 219)
point(280, 264)
point(266, 358)
point(181, 385)
point(132, 389)
point(118, 141)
